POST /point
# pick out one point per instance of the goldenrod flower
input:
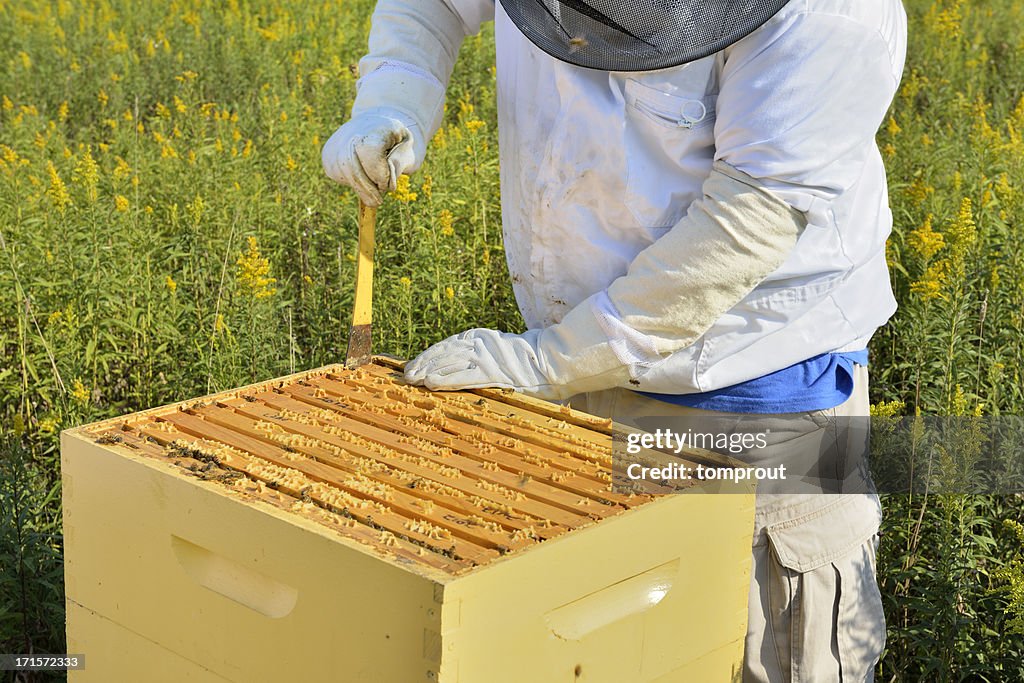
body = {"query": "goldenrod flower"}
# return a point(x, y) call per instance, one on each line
point(930, 285)
point(8, 105)
point(79, 392)
point(180, 106)
point(440, 141)
point(291, 164)
point(402, 191)
point(963, 231)
point(888, 409)
point(405, 282)
point(62, 111)
point(893, 127)
point(449, 293)
point(57, 191)
point(254, 271)
point(171, 285)
point(948, 23)
point(428, 186)
point(121, 203)
point(925, 240)
point(103, 98)
point(87, 173)
point(445, 221)
point(49, 425)
point(919, 191)
point(474, 125)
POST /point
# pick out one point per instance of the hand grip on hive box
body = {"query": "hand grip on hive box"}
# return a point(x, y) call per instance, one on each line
point(618, 601)
point(236, 582)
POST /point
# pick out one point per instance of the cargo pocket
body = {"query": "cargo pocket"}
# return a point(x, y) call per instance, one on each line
point(824, 616)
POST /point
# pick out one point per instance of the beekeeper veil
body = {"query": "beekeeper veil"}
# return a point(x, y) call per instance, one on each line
point(637, 35)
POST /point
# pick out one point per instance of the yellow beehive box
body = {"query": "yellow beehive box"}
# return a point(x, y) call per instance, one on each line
point(338, 525)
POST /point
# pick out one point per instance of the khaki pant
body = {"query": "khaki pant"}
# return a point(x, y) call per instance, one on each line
point(815, 611)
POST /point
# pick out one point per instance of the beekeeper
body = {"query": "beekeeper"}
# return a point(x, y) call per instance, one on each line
point(694, 213)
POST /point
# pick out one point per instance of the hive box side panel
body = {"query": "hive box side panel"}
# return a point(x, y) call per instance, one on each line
point(250, 591)
point(117, 654)
point(635, 598)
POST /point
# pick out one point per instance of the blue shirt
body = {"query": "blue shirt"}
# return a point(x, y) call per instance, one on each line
point(817, 383)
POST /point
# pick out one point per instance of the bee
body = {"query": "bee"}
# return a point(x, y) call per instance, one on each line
point(578, 43)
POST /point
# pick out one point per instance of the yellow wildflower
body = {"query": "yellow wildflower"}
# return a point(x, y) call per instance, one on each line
point(889, 151)
point(162, 111)
point(62, 111)
point(7, 104)
point(893, 408)
point(948, 23)
point(219, 326)
point(49, 425)
point(930, 285)
point(449, 293)
point(402, 191)
point(171, 285)
point(79, 392)
point(168, 152)
point(893, 127)
point(102, 97)
point(254, 271)
point(919, 191)
point(87, 173)
point(290, 164)
point(474, 125)
point(926, 241)
point(445, 221)
point(58, 191)
point(428, 186)
point(405, 282)
point(963, 231)
point(440, 141)
point(121, 203)
point(179, 105)
point(283, 117)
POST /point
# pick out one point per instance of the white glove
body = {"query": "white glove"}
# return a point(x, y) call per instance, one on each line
point(480, 358)
point(552, 363)
point(369, 152)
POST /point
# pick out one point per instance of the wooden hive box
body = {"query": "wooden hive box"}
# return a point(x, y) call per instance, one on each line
point(338, 525)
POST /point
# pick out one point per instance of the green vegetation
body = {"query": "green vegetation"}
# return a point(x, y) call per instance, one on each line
point(166, 231)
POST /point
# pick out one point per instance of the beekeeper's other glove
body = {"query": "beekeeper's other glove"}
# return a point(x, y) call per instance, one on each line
point(398, 106)
point(369, 152)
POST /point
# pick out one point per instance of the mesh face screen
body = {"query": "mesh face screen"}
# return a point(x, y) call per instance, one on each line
point(637, 35)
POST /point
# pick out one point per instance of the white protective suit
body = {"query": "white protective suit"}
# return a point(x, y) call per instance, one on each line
point(685, 229)
point(601, 168)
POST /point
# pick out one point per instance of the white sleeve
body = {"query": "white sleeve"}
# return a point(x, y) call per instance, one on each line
point(801, 100)
point(473, 13)
point(412, 50)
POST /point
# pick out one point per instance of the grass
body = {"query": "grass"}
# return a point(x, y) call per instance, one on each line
point(166, 231)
